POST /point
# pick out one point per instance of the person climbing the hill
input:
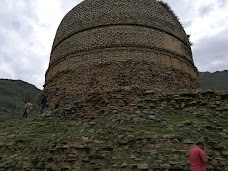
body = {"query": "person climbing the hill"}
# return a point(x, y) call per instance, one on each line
point(198, 157)
point(43, 103)
point(28, 109)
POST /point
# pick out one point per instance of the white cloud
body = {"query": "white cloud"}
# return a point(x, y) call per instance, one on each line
point(6, 69)
point(26, 36)
point(207, 23)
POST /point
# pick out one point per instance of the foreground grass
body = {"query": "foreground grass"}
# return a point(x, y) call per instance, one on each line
point(32, 138)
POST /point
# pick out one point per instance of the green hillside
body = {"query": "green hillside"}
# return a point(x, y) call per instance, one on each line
point(120, 130)
point(13, 93)
point(217, 80)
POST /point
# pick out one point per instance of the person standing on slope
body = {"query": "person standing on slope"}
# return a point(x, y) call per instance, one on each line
point(43, 103)
point(198, 157)
point(28, 109)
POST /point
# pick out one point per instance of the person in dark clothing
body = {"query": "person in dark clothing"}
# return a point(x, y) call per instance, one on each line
point(43, 103)
point(25, 114)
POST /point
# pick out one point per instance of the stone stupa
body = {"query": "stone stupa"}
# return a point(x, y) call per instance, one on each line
point(106, 44)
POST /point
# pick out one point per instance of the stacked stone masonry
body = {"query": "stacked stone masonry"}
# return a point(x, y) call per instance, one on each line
point(106, 138)
point(94, 13)
point(101, 45)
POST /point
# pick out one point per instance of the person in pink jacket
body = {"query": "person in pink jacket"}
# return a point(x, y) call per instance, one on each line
point(198, 157)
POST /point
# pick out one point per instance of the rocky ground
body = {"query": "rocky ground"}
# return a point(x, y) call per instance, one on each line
point(120, 130)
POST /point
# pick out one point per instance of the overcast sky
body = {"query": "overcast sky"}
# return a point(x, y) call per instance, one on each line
point(28, 27)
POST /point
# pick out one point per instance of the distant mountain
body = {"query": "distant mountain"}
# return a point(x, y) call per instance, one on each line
point(13, 93)
point(217, 80)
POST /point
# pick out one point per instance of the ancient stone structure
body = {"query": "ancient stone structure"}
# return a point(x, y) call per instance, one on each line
point(136, 131)
point(101, 45)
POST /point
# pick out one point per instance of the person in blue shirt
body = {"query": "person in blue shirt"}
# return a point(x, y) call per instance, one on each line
point(43, 103)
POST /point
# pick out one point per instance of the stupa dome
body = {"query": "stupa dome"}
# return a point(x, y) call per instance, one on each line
point(105, 44)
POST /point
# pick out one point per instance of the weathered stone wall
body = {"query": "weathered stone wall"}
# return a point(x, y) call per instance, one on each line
point(121, 36)
point(151, 151)
point(127, 37)
point(92, 14)
point(102, 77)
point(123, 129)
point(100, 46)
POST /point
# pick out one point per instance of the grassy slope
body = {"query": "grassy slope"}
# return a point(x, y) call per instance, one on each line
point(33, 139)
point(13, 93)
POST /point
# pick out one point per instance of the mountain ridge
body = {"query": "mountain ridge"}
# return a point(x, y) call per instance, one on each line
point(215, 80)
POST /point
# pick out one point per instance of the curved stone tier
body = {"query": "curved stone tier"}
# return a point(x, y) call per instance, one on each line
point(93, 13)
